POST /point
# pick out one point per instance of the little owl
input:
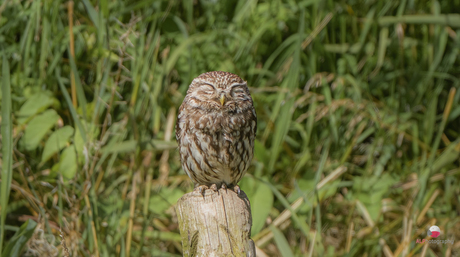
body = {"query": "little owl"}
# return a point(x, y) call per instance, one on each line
point(215, 129)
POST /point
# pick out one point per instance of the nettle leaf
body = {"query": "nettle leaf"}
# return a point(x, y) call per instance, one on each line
point(248, 185)
point(262, 202)
point(68, 163)
point(38, 127)
point(376, 189)
point(260, 152)
point(35, 104)
point(57, 141)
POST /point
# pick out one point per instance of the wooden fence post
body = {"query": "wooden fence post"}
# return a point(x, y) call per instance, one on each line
point(215, 223)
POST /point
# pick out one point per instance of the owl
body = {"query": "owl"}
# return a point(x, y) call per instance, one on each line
point(215, 130)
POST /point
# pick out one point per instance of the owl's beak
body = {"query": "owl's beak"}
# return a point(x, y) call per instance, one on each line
point(222, 99)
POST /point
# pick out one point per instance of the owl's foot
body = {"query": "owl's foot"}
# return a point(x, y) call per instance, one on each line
point(201, 188)
point(237, 189)
point(224, 186)
point(214, 187)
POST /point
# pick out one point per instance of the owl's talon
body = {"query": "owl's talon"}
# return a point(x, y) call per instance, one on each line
point(214, 187)
point(237, 189)
point(224, 186)
point(201, 189)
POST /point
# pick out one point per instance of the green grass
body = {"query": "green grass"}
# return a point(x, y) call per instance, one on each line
point(7, 146)
point(358, 107)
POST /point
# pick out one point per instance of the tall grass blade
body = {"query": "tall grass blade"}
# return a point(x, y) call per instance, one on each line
point(291, 82)
point(79, 87)
point(452, 20)
point(7, 146)
point(20, 239)
point(281, 242)
point(71, 108)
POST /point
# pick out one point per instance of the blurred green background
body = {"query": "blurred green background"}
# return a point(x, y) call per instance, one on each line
point(358, 106)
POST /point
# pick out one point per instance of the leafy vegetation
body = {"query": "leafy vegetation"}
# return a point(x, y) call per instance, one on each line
point(358, 107)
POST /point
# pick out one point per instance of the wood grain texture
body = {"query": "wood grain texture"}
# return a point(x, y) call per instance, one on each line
point(215, 223)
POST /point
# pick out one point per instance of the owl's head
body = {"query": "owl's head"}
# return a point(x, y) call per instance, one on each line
point(219, 90)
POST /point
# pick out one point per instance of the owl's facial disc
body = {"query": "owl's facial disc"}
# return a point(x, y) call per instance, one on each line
point(226, 96)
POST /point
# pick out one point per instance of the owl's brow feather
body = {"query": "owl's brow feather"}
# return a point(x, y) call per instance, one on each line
point(237, 84)
point(208, 83)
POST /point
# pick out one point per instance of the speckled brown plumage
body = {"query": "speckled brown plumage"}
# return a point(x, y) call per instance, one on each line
point(215, 129)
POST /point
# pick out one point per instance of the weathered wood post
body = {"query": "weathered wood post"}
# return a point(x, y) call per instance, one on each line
point(215, 223)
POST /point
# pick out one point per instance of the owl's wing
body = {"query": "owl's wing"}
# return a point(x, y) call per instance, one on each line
point(253, 117)
point(179, 120)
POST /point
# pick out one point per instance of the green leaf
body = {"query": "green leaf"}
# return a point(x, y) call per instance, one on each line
point(164, 199)
point(374, 210)
point(20, 238)
point(120, 147)
point(68, 163)
point(56, 142)
point(281, 242)
point(35, 104)
point(260, 152)
point(38, 127)
point(249, 185)
point(262, 202)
